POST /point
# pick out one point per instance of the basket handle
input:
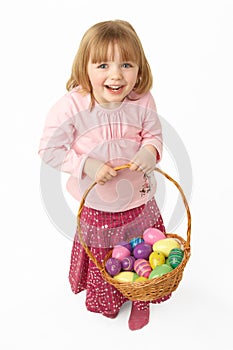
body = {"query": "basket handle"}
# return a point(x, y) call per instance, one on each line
point(124, 166)
point(185, 204)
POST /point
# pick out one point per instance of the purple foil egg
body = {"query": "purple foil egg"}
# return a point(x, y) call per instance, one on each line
point(127, 264)
point(125, 244)
point(113, 266)
point(142, 251)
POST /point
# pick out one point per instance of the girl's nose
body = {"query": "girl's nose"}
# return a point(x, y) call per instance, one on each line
point(115, 72)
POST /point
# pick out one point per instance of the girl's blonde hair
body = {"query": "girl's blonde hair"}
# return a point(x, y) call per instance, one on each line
point(95, 44)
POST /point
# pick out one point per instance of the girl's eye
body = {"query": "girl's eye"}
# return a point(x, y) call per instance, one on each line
point(126, 65)
point(102, 65)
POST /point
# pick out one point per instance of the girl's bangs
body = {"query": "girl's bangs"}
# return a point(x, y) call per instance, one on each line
point(103, 50)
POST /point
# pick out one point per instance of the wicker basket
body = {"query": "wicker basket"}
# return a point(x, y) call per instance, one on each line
point(155, 288)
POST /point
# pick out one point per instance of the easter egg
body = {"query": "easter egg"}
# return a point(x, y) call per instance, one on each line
point(165, 245)
point(125, 244)
point(113, 266)
point(141, 279)
point(152, 235)
point(126, 276)
point(167, 262)
point(127, 263)
point(142, 250)
point(175, 257)
point(159, 271)
point(142, 267)
point(136, 241)
point(156, 258)
point(120, 252)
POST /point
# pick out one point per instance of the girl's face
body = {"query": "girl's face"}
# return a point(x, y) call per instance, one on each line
point(113, 80)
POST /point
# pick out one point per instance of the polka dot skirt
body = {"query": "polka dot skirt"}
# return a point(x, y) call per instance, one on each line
point(102, 231)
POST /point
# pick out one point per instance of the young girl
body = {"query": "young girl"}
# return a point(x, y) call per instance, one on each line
point(107, 118)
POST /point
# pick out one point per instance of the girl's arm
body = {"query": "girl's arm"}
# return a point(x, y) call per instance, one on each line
point(150, 152)
point(98, 171)
point(145, 159)
point(57, 138)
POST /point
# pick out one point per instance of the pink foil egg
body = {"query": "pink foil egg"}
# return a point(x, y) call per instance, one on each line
point(119, 252)
point(113, 266)
point(127, 263)
point(142, 267)
point(152, 235)
point(142, 250)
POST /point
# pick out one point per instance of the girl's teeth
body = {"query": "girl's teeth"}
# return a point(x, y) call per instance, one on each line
point(114, 87)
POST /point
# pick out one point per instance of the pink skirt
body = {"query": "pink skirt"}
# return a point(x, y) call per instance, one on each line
point(101, 230)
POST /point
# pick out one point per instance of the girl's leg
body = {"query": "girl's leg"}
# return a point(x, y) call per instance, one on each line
point(140, 312)
point(140, 315)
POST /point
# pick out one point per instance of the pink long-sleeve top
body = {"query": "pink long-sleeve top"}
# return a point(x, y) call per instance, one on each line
point(72, 133)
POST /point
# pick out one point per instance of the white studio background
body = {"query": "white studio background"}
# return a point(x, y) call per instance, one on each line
point(189, 47)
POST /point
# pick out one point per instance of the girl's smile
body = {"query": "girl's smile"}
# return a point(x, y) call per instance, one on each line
point(113, 80)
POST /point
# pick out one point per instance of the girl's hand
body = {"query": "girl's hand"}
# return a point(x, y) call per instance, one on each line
point(98, 171)
point(145, 159)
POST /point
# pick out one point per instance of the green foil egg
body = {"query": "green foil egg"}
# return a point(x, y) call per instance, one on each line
point(175, 257)
point(159, 271)
point(167, 262)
